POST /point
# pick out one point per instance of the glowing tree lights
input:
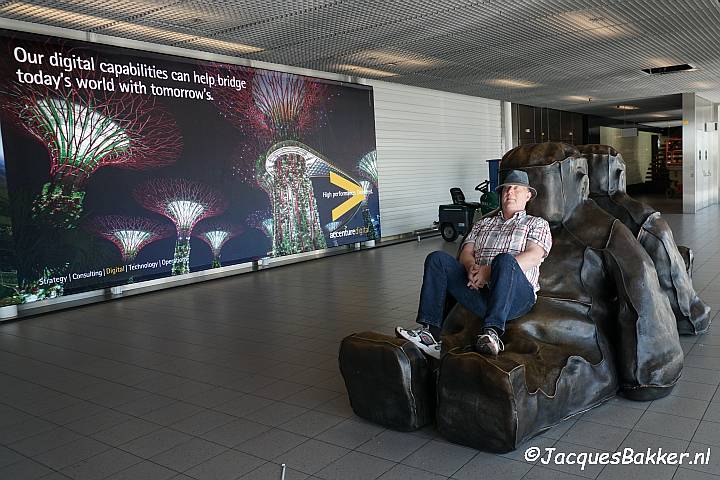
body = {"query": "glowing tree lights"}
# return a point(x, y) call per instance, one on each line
point(275, 105)
point(128, 234)
point(283, 174)
point(184, 202)
point(332, 226)
point(84, 130)
point(216, 236)
point(287, 102)
point(279, 107)
point(261, 220)
point(367, 216)
point(367, 167)
point(267, 227)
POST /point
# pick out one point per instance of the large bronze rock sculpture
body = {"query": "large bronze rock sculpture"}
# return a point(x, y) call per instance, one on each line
point(601, 322)
point(607, 188)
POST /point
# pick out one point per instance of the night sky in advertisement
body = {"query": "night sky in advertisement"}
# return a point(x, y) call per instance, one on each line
point(277, 165)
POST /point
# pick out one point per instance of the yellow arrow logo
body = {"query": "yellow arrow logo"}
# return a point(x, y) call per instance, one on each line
point(357, 197)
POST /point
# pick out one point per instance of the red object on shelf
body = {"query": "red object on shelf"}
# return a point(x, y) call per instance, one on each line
point(673, 151)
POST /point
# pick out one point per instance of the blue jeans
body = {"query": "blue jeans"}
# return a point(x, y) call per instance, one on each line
point(508, 295)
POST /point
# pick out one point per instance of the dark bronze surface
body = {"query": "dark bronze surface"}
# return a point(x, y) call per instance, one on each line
point(672, 263)
point(389, 380)
point(601, 322)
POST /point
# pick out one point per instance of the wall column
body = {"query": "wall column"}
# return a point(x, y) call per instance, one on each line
point(507, 127)
point(689, 153)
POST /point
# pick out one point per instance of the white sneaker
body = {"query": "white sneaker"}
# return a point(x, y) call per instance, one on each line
point(489, 343)
point(422, 338)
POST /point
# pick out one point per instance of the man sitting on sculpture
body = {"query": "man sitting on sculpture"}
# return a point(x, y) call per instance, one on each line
point(496, 276)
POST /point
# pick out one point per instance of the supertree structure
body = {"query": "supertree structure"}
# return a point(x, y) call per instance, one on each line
point(367, 167)
point(284, 174)
point(128, 234)
point(288, 103)
point(274, 105)
point(216, 235)
point(39, 289)
point(261, 220)
point(280, 107)
point(84, 130)
point(185, 202)
point(296, 219)
point(332, 226)
point(367, 216)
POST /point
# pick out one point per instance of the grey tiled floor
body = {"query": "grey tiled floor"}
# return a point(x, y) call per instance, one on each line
point(231, 378)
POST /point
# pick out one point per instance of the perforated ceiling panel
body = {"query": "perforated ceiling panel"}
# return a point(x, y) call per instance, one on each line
point(554, 53)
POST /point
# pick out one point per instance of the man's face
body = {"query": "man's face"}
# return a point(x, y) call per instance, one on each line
point(515, 197)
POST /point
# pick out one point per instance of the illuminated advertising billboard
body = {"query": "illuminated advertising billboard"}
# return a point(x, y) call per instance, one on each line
point(118, 166)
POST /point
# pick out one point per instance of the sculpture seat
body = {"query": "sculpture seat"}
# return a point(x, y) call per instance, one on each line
point(553, 367)
point(389, 380)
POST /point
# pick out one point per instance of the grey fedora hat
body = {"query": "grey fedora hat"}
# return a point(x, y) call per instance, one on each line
point(516, 177)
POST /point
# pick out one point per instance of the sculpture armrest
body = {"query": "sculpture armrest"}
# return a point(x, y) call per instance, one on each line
point(688, 256)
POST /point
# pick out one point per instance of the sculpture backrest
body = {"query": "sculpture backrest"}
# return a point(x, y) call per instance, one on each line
point(606, 167)
point(559, 174)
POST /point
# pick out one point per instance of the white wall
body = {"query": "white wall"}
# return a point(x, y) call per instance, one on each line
point(427, 142)
point(700, 154)
point(636, 152)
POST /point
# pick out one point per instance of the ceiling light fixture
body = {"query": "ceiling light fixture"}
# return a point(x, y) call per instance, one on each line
point(44, 14)
point(627, 107)
point(49, 14)
point(223, 45)
point(578, 98)
point(504, 82)
point(392, 59)
point(370, 72)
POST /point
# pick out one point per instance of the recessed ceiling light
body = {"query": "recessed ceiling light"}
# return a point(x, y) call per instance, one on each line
point(578, 98)
point(45, 14)
point(223, 45)
point(370, 72)
point(378, 57)
point(505, 82)
point(627, 107)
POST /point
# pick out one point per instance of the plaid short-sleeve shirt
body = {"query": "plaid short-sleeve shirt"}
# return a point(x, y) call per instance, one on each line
point(494, 235)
